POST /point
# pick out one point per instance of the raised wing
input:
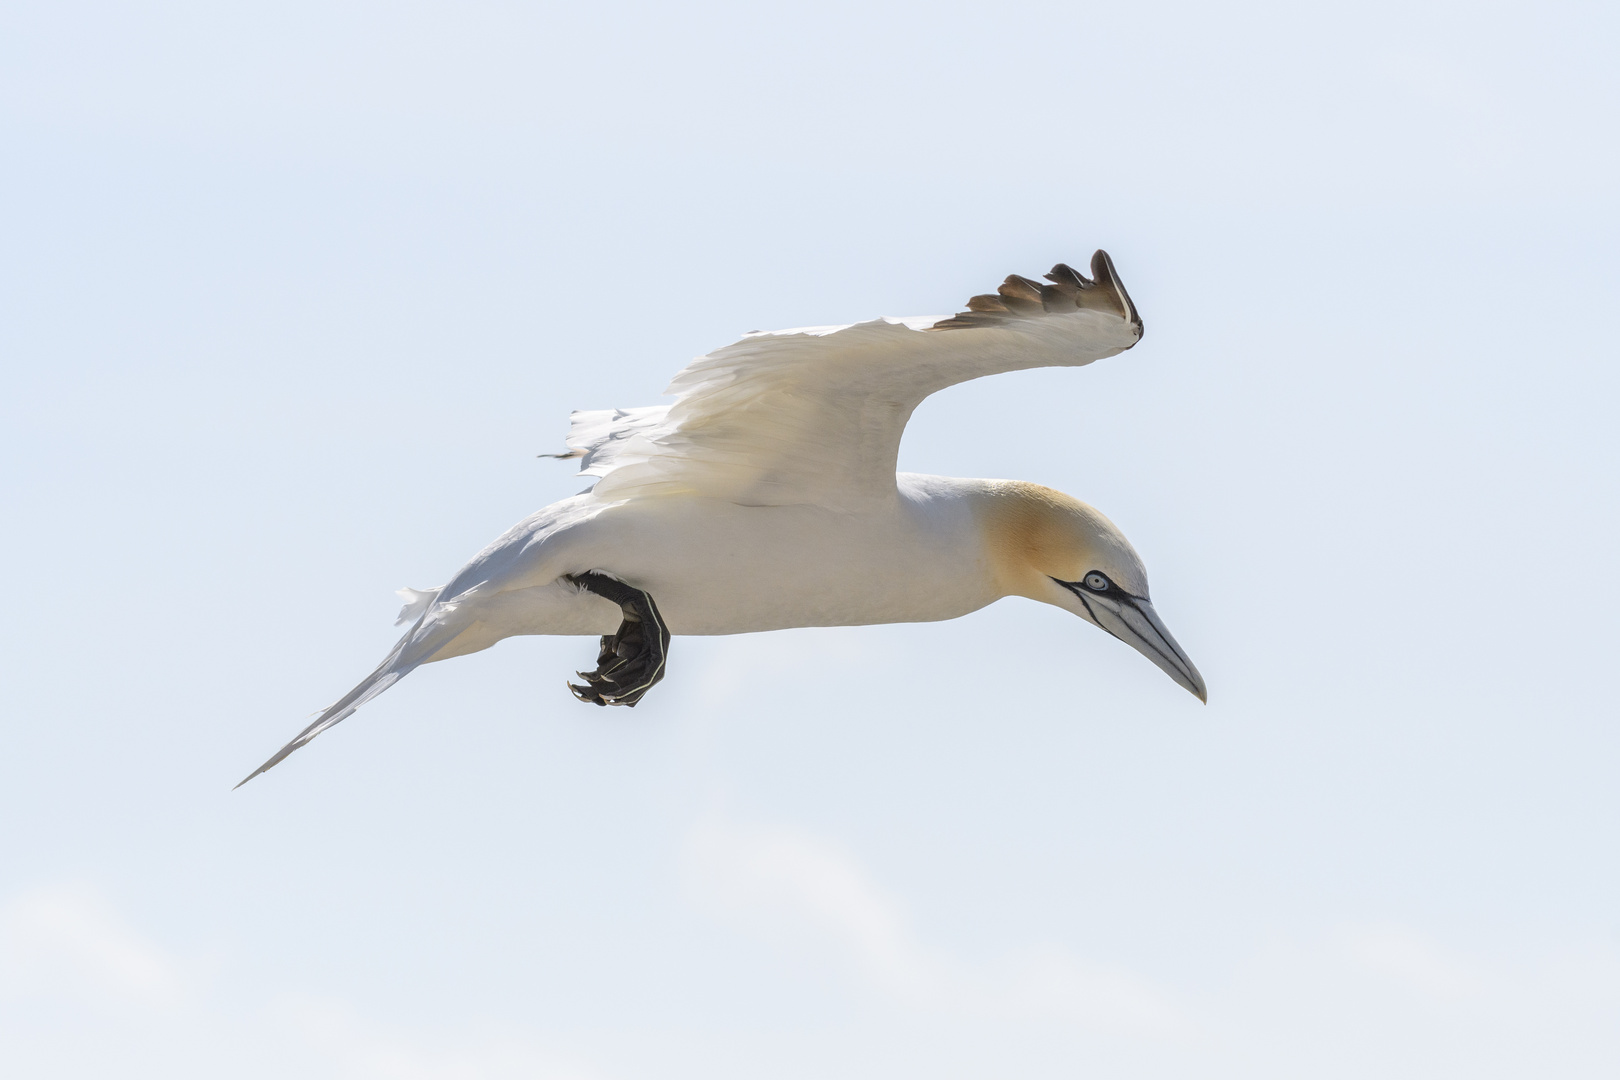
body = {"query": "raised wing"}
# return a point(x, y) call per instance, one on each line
point(814, 415)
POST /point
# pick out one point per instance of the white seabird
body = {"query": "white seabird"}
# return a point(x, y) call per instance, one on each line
point(766, 497)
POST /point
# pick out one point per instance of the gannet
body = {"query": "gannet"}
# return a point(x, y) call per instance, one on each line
point(766, 497)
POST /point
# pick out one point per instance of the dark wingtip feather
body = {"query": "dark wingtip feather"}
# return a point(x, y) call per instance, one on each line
point(1102, 268)
point(1020, 298)
point(1064, 274)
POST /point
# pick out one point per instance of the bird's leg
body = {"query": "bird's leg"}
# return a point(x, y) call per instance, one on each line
point(631, 661)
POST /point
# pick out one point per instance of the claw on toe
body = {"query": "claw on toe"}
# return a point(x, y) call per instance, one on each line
point(617, 683)
point(586, 694)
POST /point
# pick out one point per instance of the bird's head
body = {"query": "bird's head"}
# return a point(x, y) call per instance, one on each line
point(1056, 549)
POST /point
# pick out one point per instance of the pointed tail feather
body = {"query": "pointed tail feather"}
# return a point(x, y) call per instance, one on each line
point(417, 647)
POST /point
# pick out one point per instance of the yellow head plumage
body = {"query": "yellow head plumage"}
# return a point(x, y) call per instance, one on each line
point(1050, 547)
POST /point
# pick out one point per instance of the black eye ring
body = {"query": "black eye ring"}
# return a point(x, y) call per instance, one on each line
point(1097, 582)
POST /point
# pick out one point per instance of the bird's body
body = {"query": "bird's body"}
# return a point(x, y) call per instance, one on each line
point(766, 498)
point(720, 568)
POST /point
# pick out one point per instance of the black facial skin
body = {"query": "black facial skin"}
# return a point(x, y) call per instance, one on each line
point(1086, 588)
point(1097, 583)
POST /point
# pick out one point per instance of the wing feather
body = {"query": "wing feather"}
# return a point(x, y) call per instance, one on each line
point(815, 415)
point(605, 439)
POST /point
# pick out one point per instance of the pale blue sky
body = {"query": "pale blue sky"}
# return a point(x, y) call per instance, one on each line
point(293, 294)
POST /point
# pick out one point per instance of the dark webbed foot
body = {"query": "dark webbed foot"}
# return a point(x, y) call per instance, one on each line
point(631, 661)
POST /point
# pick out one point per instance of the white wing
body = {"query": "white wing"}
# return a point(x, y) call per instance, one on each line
point(815, 415)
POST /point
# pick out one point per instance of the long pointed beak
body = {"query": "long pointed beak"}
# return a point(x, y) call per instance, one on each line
point(1136, 624)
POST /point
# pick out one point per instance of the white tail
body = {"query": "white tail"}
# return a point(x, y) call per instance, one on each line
point(417, 647)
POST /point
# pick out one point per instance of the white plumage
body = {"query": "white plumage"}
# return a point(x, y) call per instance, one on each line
point(765, 496)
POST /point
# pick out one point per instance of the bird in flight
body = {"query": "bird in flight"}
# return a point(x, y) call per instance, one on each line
point(766, 497)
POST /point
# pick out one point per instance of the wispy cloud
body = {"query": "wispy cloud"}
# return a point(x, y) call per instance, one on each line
point(67, 940)
point(1413, 961)
point(362, 1048)
point(792, 885)
point(1372, 995)
point(88, 994)
point(84, 992)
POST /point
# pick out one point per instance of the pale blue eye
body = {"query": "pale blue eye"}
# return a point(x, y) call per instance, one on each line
point(1096, 582)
